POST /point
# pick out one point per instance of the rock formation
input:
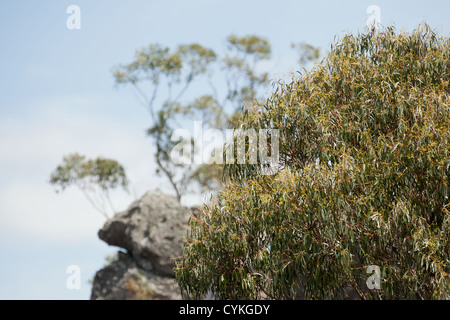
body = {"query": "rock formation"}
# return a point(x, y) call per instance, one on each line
point(151, 231)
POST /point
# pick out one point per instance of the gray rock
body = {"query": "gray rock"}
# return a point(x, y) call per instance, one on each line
point(151, 231)
point(124, 280)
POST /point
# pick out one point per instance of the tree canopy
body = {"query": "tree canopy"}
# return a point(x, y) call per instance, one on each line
point(363, 181)
point(163, 77)
point(94, 177)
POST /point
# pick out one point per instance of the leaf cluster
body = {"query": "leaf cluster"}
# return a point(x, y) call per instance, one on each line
point(364, 176)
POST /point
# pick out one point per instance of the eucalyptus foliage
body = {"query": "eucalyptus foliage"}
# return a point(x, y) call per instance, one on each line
point(94, 177)
point(162, 78)
point(157, 67)
point(363, 180)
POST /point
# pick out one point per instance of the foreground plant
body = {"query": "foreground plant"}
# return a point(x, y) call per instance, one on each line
point(363, 181)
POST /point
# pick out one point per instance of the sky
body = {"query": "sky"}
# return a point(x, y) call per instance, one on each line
point(57, 96)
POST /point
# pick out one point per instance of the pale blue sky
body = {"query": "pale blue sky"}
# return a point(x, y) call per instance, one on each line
point(58, 96)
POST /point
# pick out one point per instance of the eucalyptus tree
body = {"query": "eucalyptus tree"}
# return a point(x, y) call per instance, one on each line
point(156, 66)
point(363, 181)
point(94, 177)
point(193, 82)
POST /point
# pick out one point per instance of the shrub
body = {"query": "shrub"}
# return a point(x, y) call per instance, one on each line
point(363, 180)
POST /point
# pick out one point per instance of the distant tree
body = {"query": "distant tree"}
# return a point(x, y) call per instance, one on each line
point(161, 79)
point(94, 177)
point(364, 180)
point(307, 53)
